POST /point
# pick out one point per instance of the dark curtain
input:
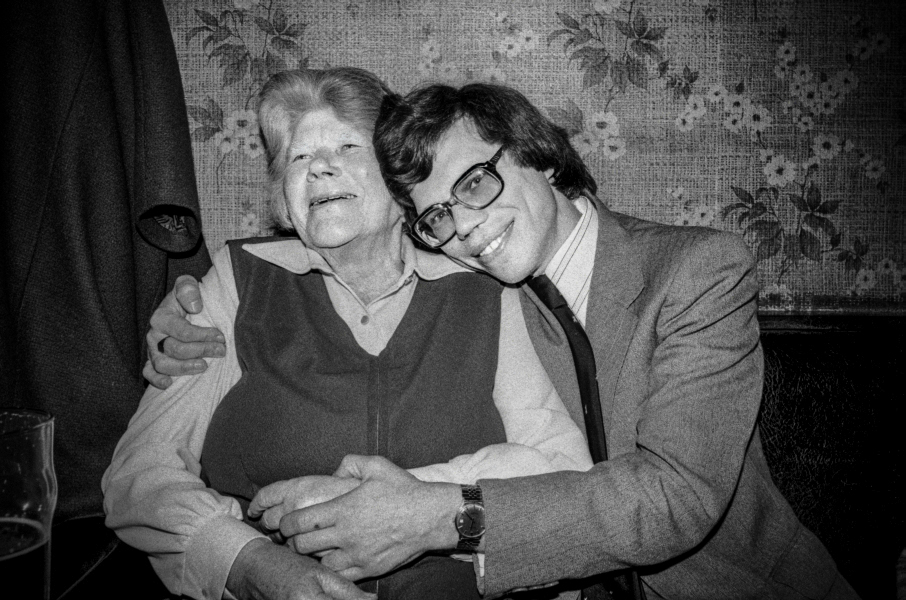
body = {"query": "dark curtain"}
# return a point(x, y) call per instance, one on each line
point(100, 212)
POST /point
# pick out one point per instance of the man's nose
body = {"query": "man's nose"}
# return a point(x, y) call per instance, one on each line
point(467, 219)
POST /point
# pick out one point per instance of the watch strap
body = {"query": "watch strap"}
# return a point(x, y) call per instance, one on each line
point(471, 495)
point(467, 545)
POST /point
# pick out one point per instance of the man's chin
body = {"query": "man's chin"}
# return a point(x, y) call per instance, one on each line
point(509, 278)
point(504, 272)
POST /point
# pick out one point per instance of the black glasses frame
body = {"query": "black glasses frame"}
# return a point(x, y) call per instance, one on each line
point(490, 167)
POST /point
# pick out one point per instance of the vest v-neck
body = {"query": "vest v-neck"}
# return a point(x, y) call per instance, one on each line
point(321, 302)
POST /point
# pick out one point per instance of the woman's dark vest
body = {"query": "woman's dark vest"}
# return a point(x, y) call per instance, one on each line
point(309, 394)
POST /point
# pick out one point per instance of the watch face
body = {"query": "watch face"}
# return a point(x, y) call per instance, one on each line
point(470, 521)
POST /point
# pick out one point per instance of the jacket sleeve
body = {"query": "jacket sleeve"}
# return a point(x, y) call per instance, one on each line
point(154, 497)
point(692, 431)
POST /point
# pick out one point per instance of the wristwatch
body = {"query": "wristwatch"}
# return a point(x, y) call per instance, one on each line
point(470, 519)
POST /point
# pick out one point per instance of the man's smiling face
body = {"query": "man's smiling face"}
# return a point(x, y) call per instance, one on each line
point(517, 235)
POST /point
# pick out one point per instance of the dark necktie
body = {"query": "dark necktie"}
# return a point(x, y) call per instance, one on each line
point(625, 585)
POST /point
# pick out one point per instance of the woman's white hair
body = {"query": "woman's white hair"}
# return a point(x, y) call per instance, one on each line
point(354, 95)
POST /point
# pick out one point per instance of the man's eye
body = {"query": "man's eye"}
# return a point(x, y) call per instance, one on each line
point(349, 146)
point(474, 181)
point(301, 157)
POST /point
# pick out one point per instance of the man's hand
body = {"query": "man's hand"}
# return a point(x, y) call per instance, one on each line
point(266, 571)
point(390, 519)
point(277, 499)
point(184, 345)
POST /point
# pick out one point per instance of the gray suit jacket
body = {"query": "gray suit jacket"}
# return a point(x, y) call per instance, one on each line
point(686, 496)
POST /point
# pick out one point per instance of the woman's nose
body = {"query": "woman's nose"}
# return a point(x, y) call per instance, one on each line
point(467, 219)
point(323, 164)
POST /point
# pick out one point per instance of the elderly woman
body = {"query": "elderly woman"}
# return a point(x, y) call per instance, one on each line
point(342, 339)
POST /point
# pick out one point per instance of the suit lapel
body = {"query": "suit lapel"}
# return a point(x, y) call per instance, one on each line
point(610, 323)
point(615, 284)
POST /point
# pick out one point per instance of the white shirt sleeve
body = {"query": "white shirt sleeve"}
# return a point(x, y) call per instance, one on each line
point(541, 436)
point(153, 496)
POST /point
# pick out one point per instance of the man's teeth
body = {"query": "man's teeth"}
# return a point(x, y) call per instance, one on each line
point(329, 198)
point(493, 245)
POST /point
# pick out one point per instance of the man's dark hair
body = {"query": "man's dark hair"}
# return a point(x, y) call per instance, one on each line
point(408, 130)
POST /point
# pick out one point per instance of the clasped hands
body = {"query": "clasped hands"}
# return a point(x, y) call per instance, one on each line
point(368, 519)
point(276, 500)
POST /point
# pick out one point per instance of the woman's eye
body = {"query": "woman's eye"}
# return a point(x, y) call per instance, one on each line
point(301, 157)
point(349, 146)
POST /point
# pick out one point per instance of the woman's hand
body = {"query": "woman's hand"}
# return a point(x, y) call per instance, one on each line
point(266, 571)
point(175, 346)
point(277, 499)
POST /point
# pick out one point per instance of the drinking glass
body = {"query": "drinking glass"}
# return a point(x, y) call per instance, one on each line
point(28, 496)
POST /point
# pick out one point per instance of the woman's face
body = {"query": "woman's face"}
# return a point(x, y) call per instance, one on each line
point(333, 186)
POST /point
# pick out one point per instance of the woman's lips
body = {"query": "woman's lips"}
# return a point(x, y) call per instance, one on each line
point(322, 200)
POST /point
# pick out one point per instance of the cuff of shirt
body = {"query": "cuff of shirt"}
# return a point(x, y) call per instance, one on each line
point(478, 564)
point(210, 555)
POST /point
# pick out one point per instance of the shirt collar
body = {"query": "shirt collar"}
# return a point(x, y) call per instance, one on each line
point(571, 267)
point(294, 256)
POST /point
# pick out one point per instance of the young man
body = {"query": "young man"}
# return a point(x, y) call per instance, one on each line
point(686, 497)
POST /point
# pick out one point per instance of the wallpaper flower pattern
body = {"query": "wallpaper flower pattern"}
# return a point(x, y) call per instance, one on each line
point(781, 120)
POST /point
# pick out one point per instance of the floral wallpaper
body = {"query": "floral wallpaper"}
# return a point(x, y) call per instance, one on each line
point(781, 120)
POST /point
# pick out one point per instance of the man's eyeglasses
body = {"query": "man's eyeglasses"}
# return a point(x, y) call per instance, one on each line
point(479, 186)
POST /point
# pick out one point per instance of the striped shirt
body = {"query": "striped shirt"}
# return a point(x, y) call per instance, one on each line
point(571, 267)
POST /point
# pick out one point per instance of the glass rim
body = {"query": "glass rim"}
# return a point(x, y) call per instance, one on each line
point(43, 418)
point(490, 168)
point(484, 167)
point(416, 228)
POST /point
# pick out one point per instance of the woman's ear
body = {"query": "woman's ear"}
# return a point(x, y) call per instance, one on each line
point(550, 175)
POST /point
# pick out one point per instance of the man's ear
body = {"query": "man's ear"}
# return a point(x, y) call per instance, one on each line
point(550, 175)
